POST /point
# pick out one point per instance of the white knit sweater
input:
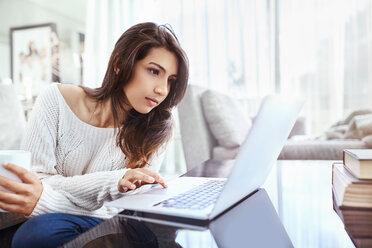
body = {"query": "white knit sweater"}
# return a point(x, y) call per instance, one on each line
point(79, 164)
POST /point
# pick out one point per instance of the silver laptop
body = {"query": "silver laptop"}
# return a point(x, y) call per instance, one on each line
point(197, 200)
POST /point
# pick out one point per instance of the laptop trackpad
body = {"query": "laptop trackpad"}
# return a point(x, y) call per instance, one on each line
point(175, 186)
point(149, 189)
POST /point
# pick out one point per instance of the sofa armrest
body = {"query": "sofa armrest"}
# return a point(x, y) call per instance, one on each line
point(299, 127)
point(197, 139)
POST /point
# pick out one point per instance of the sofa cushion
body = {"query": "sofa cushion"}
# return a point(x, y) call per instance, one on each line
point(224, 153)
point(226, 119)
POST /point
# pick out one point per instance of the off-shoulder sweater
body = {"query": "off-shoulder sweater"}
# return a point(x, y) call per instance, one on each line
point(79, 164)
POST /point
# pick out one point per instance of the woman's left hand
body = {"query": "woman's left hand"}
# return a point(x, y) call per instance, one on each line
point(26, 193)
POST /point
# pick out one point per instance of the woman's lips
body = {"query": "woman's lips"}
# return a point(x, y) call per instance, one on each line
point(151, 102)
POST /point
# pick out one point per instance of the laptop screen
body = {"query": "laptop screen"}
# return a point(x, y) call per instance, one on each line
point(258, 153)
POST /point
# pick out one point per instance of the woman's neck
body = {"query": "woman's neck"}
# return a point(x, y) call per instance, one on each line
point(102, 114)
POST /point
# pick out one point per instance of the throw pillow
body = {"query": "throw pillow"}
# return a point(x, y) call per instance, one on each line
point(226, 119)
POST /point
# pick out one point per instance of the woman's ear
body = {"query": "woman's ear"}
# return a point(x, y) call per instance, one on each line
point(116, 69)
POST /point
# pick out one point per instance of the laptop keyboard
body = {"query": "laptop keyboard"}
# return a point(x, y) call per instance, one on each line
point(199, 197)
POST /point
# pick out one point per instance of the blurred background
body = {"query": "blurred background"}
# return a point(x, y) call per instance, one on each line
point(318, 50)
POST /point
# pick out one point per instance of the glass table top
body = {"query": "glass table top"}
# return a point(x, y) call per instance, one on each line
point(293, 208)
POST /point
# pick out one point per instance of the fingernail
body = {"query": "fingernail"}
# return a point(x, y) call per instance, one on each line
point(151, 179)
point(125, 189)
point(132, 186)
point(5, 165)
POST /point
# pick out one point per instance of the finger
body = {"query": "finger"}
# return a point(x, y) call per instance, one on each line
point(12, 185)
point(151, 173)
point(10, 207)
point(125, 185)
point(21, 172)
point(123, 189)
point(139, 183)
point(158, 178)
point(138, 175)
point(11, 198)
point(164, 185)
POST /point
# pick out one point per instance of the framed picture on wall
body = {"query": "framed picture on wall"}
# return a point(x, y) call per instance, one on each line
point(34, 58)
point(81, 55)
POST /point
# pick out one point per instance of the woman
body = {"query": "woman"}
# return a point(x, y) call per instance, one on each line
point(90, 146)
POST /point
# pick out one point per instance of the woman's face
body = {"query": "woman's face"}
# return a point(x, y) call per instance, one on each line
point(151, 80)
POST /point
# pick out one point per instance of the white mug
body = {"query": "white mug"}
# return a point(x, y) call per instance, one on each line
point(17, 157)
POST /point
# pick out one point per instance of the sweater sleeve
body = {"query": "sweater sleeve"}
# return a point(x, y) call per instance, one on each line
point(76, 194)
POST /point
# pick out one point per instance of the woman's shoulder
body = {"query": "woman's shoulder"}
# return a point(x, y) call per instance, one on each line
point(72, 94)
point(74, 97)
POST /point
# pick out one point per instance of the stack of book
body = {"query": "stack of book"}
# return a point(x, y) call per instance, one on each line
point(352, 194)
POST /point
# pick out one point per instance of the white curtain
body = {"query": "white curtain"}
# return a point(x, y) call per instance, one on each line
point(228, 43)
point(325, 49)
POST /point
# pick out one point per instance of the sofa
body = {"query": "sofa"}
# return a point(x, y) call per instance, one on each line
point(12, 118)
point(213, 126)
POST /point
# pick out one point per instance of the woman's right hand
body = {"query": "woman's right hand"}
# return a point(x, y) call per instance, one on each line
point(135, 178)
point(24, 195)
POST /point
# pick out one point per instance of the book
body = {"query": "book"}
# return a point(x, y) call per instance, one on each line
point(350, 191)
point(359, 162)
point(357, 221)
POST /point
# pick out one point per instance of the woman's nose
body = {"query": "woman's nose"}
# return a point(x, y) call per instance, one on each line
point(162, 88)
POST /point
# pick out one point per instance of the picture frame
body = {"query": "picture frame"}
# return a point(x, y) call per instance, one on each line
point(81, 56)
point(34, 58)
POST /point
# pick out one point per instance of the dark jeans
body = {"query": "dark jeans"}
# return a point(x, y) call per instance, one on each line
point(52, 230)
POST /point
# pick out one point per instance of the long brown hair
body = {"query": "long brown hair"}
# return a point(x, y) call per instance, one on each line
point(141, 135)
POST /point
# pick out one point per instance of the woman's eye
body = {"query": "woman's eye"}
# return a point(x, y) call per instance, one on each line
point(154, 71)
point(171, 80)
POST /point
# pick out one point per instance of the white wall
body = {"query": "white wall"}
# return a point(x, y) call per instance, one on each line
point(69, 16)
